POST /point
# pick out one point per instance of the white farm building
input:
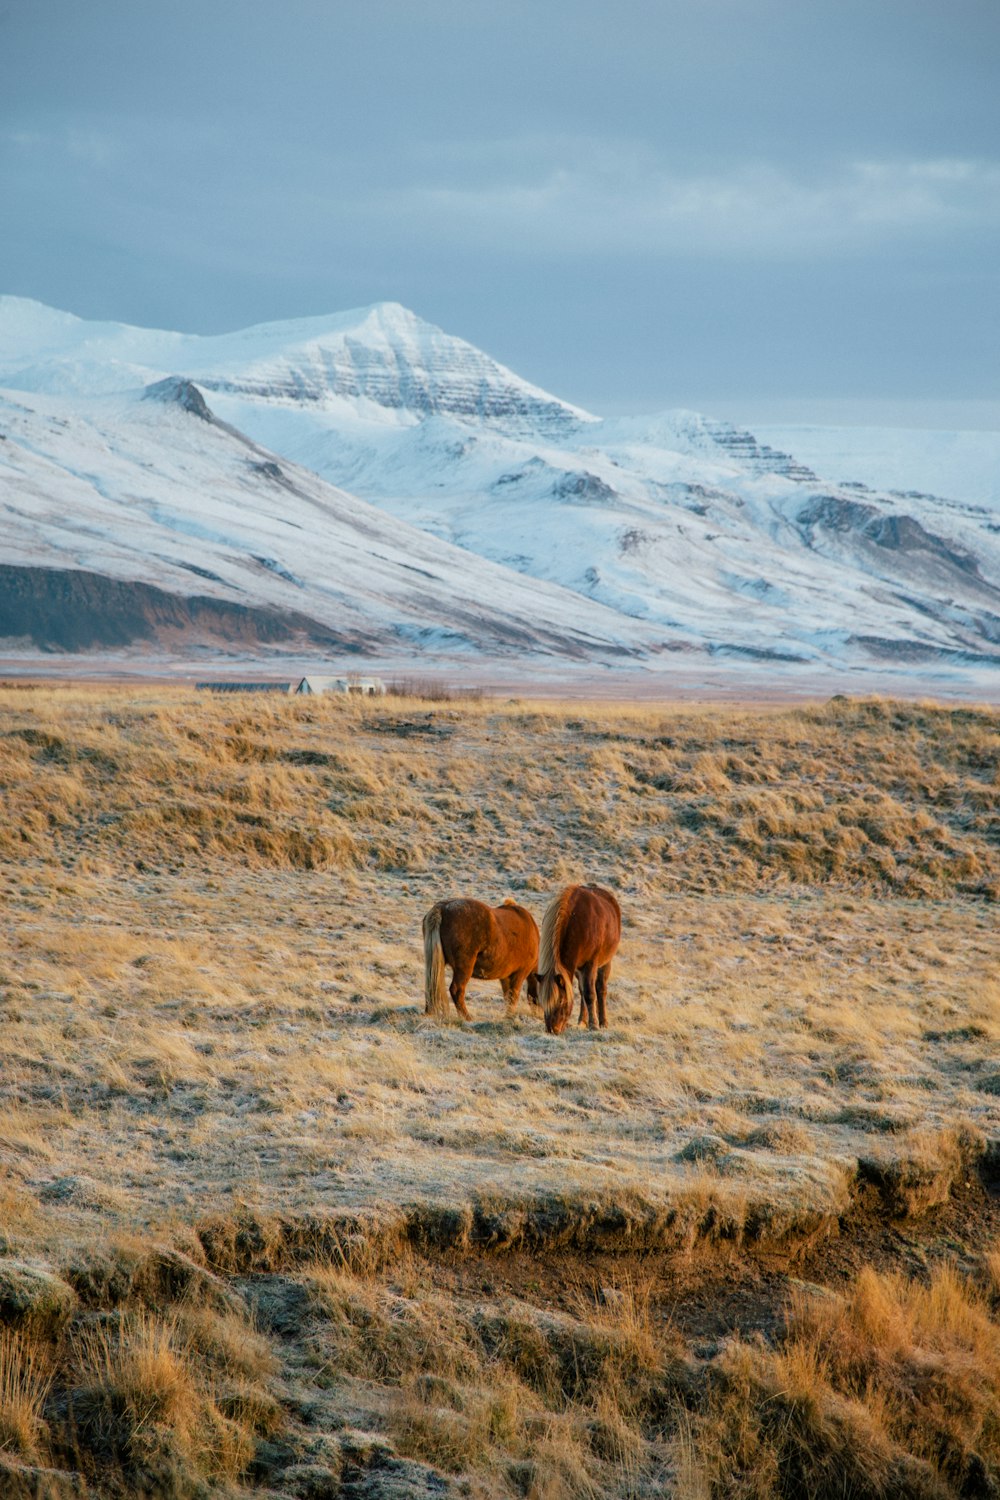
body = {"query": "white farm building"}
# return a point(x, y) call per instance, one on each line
point(368, 687)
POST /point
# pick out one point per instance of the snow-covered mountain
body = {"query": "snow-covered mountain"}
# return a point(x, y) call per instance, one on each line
point(673, 533)
point(140, 518)
point(378, 362)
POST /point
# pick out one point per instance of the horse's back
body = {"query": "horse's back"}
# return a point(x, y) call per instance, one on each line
point(520, 929)
point(466, 922)
point(511, 913)
point(609, 901)
point(593, 926)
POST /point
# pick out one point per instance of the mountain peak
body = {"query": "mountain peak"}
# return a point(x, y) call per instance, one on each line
point(384, 356)
point(380, 358)
point(395, 315)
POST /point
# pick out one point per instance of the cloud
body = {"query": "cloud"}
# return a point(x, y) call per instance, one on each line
point(74, 144)
point(94, 148)
point(599, 199)
point(224, 192)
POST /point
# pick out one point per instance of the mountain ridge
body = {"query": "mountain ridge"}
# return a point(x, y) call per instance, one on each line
point(159, 494)
point(379, 353)
point(673, 531)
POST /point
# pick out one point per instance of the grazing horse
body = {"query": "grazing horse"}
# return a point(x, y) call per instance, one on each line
point(478, 942)
point(581, 930)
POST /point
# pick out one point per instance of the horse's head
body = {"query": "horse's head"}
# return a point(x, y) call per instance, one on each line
point(555, 996)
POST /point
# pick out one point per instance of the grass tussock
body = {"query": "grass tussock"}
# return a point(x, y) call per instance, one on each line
point(26, 1375)
point(137, 1401)
point(141, 1398)
point(893, 1388)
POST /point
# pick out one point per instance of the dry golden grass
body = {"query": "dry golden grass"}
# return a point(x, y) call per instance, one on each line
point(144, 1386)
point(211, 968)
point(25, 1378)
point(891, 1389)
point(897, 797)
point(134, 1401)
point(991, 1267)
point(545, 1405)
point(211, 993)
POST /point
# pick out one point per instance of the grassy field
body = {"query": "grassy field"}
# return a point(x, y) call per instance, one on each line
point(267, 1228)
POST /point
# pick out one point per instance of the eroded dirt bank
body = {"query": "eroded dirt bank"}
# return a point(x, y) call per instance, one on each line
point(331, 1360)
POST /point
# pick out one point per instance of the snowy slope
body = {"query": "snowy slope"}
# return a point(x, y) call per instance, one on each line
point(687, 524)
point(661, 533)
point(148, 488)
point(961, 465)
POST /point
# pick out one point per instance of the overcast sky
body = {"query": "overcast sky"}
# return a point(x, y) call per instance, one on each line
point(749, 206)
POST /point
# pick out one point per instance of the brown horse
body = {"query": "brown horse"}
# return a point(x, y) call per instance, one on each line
point(581, 930)
point(478, 942)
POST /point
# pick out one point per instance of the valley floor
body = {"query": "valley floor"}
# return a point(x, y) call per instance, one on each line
point(679, 678)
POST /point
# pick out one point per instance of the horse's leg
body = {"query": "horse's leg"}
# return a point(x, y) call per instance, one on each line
point(513, 993)
point(509, 995)
point(603, 975)
point(589, 990)
point(460, 976)
point(583, 998)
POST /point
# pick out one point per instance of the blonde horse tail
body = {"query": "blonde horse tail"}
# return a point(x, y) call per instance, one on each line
point(435, 991)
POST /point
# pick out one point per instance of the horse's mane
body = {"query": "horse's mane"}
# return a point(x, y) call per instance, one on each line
point(509, 901)
point(553, 922)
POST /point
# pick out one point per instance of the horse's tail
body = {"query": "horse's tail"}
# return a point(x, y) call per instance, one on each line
point(435, 991)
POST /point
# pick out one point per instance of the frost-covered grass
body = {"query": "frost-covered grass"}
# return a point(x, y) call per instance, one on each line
point(212, 969)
